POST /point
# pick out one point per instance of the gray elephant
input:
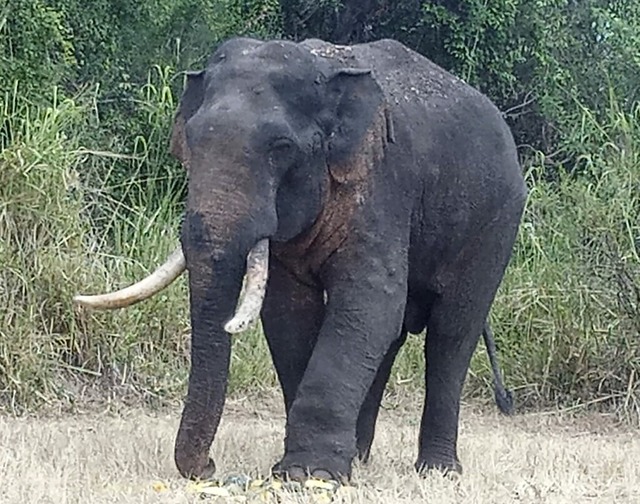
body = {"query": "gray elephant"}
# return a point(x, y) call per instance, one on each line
point(365, 172)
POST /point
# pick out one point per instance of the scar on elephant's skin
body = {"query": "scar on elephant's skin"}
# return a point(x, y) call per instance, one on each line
point(349, 185)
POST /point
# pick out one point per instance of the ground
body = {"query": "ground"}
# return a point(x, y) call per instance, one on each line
point(126, 457)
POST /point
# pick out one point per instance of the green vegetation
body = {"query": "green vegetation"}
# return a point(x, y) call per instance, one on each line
point(568, 314)
point(90, 200)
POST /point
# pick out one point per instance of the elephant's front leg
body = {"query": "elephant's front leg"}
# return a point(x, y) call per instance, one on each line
point(364, 314)
point(291, 318)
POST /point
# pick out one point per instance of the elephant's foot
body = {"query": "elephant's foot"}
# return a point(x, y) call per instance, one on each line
point(192, 469)
point(449, 466)
point(302, 467)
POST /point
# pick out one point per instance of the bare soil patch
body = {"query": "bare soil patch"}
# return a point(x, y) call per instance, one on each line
point(121, 457)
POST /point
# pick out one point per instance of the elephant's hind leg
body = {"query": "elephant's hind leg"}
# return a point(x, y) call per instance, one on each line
point(368, 416)
point(453, 329)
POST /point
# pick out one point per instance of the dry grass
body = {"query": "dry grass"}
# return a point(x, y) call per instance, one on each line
point(116, 458)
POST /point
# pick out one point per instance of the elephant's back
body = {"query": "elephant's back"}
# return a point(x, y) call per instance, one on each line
point(403, 74)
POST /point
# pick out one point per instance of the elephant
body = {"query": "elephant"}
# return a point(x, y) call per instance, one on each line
point(346, 196)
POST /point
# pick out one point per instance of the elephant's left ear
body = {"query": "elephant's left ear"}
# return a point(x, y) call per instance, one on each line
point(190, 102)
point(357, 122)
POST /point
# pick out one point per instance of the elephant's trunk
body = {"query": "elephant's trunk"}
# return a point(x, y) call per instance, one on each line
point(221, 242)
point(214, 287)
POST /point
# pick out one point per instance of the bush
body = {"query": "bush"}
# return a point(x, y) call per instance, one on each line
point(48, 248)
point(569, 313)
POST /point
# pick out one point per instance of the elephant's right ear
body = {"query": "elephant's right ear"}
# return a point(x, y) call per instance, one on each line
point(190, 102)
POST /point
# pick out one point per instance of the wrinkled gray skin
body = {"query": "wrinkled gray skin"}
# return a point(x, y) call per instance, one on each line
point(377, 177)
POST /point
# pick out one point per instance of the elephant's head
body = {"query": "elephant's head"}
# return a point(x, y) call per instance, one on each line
point(264, 132)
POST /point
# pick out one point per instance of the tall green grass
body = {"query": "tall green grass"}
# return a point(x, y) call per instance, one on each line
point(83, 211)
point(50, 248)
point(568, 314)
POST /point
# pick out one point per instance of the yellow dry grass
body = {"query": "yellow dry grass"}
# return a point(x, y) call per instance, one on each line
point(117, 457)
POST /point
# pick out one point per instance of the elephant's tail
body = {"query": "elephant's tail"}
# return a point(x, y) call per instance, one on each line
point(503, 396)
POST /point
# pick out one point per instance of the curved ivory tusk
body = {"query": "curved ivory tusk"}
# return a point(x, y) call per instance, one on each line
point(255, 289)
point(145, 288)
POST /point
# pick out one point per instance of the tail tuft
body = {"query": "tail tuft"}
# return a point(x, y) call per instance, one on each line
point(505, 402)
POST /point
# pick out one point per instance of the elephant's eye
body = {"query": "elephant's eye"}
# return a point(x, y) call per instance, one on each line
point(281, 144)
point(282, 152)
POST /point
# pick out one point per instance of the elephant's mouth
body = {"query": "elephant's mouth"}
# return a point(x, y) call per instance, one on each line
point(248, 310)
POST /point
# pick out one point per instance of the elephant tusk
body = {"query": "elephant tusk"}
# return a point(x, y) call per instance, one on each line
point(145, 288)
point(246, 313)
point(255, 288)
